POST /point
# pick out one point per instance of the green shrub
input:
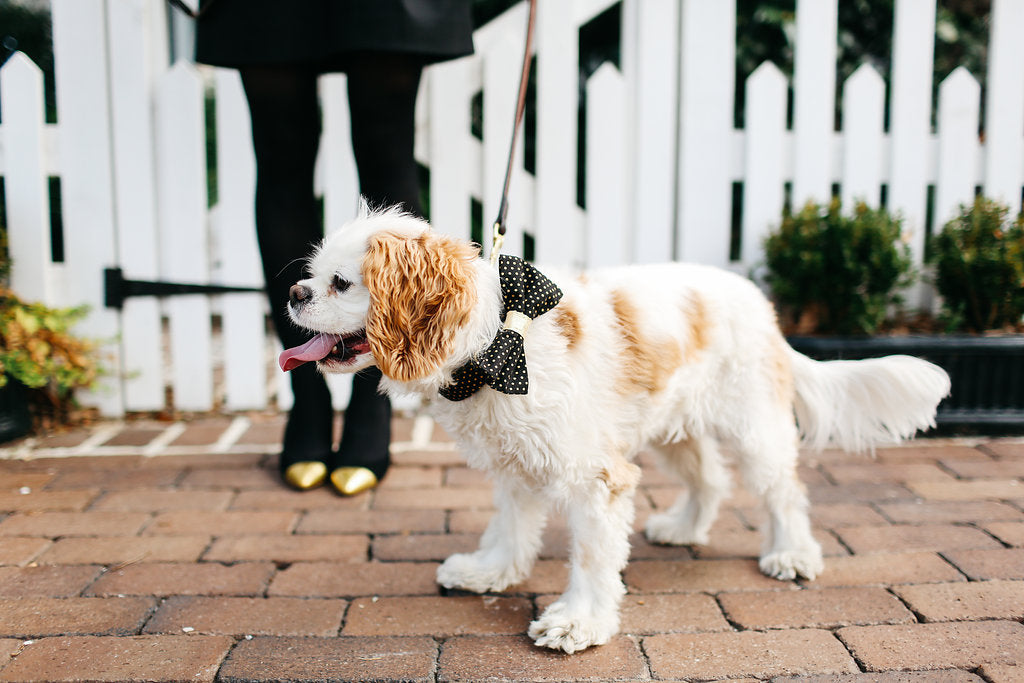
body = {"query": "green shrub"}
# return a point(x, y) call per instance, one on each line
point(979, 267)
point(837, 274)
point(38, 349)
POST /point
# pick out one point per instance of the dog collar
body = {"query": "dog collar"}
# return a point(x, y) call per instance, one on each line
point(526, 293)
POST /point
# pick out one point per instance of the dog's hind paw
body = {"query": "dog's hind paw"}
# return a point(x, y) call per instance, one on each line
point(667, 529)
point(559, 629)
point(789, 564)
point(467, 571)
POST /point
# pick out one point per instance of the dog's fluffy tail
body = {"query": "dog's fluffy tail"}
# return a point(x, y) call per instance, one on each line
point(857, 405)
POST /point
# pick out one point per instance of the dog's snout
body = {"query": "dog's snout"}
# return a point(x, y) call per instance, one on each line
point(298, 294)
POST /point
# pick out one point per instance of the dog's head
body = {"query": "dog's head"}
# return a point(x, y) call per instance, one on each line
point(383, 290)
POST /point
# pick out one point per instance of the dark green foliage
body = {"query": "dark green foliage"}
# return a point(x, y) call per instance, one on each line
point(979, 267)
point(835, 273)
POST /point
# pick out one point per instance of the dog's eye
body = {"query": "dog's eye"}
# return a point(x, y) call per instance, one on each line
point(339, 284)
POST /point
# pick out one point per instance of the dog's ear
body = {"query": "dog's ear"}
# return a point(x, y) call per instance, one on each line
point(421, 291)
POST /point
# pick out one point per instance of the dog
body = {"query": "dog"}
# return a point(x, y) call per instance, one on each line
point(672, 358)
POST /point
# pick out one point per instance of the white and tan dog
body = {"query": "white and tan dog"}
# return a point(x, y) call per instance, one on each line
point(672, 358)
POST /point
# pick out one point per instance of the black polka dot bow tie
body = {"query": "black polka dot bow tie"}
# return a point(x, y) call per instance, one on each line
point(526, 293)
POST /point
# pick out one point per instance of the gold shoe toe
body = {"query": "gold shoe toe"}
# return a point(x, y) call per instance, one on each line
point(306, 475)
point(352, 480)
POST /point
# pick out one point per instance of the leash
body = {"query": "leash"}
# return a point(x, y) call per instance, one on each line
point(524, 79)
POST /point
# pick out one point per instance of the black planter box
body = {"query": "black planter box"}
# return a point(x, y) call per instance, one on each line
point(15, 420)
point(987, 373)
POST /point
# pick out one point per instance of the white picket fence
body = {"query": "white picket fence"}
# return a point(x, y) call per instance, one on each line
point(662, 156)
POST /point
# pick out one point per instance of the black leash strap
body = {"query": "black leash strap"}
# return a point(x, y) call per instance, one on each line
point(524, 79)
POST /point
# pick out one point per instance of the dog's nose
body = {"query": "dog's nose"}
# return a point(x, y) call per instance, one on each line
point(298, 294)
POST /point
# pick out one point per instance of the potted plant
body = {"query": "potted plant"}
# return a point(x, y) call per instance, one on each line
point(41, 361)
point(837, 279)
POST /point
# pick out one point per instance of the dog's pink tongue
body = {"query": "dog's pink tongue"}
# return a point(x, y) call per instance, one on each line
point(315, 349)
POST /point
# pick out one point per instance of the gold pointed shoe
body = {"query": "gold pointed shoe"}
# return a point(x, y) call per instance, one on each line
point(306, 475)
point(352, 480)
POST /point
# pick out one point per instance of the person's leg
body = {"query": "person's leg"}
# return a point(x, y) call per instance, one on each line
point(382, 101)
point(286, 133)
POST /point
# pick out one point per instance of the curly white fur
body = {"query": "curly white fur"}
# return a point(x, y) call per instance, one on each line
point(673, 358)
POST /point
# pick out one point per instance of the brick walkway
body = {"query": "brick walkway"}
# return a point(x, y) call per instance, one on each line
point(160, 551)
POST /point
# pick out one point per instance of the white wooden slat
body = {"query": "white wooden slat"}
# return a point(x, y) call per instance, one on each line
point(501, 68)
point(25, 184)
point(340, 180)
point(607, 237)
point(707, 77)
point(650, 59)
point(181, 178)
point(763, 189)
point(557, 40)
point(814, 99)
point(863, 122)
point(135, 197)
point(237, 253)
point(910, 116)
point(959, 104)
point(1004, 110)
point(83, 96)
point(449, 95)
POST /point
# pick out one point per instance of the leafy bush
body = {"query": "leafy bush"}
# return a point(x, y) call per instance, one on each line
point(38, 349)
point(836, 274)
point(979, 267)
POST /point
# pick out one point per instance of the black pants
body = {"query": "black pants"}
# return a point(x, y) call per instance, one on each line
point(286, 130)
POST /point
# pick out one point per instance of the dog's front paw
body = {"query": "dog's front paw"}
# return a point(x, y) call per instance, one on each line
point(788, 564)
point(667, 529)
point(471, 572)
point(562, 628)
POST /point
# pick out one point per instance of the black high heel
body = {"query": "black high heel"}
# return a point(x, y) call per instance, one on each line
point(363, 456)
point(306, 449)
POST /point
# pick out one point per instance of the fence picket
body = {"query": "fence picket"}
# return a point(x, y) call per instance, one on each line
point(25, 186)
point(80, 61)
point(340, 182)
point(910, 116)
point(763, 191)
point(135, 200)
point(448, 145)
point(557, 39)
point(863, 116)
point(1004, 111)
point(814, 99)
point(236, 253)
point(959, 102)
point(607, 236)
point(500, 77)
point(181, 191)
point(650, 61)
point(706, 80)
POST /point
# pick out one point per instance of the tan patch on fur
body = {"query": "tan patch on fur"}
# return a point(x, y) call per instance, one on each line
point(568, 323)
point(621, 476)
point(646, 364)
point(421, 292)
point(698, 326)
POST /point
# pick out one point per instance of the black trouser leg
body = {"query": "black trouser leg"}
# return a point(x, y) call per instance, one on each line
point(286, 134)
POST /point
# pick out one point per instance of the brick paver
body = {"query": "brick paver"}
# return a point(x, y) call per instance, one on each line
point(936, 646)
point(966, 601)
point(138, 658)
point(248, 616)
point(331, 659)
point(201, 565)
point(708, 656)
